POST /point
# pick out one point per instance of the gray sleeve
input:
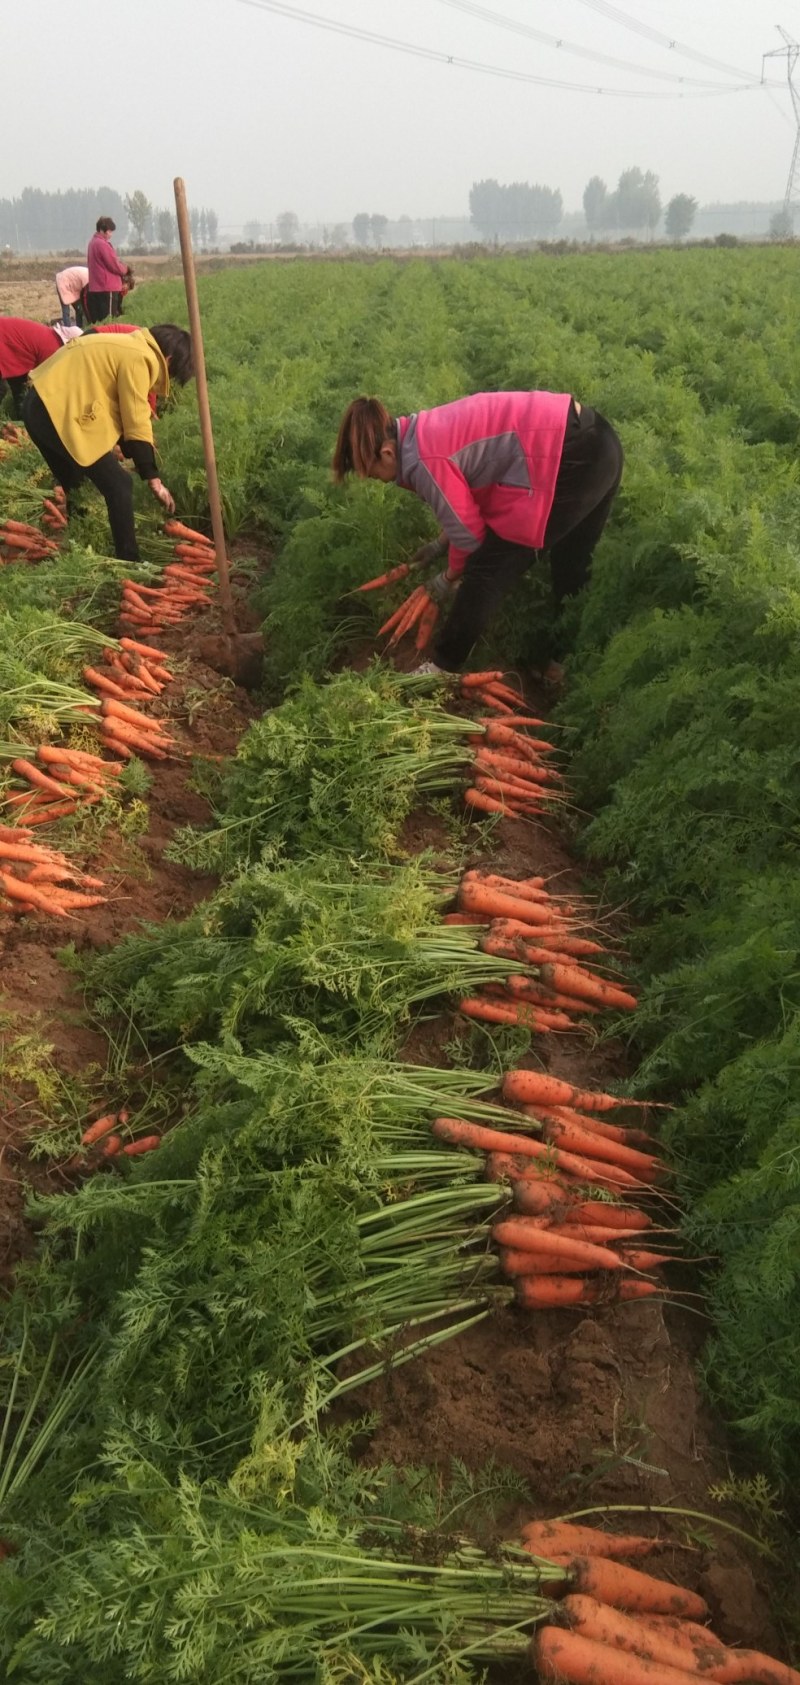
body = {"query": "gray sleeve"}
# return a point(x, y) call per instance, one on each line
point(459, 536)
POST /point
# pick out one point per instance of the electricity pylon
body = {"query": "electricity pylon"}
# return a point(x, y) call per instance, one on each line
point(790, 51)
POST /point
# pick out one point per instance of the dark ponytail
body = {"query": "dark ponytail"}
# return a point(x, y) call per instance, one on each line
point(365, 427)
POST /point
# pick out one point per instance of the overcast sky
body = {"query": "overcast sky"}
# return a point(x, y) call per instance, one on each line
point(262, 113)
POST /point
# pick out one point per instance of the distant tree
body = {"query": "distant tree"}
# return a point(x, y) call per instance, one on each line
point(166, 229)
point(203, 229)
point(486, 208)
point(288, 226)
point(378, 225)
point(194, 224)
point(212, 227)
point(680, 214)
point(46, 222)
point(595, 205)
point(361, 225)
point(253, 232)
point(339, 234)
point(781, 225)
point(637, 201)
point(139, 211)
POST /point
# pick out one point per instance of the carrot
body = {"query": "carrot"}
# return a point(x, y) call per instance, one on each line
point(488, 804)
point(162, 674)
point(145, 1144)
point(565, 1538)
point(76, 757)
point(470, 680)
point(646, 1262)
point(486, 700)
point(176, 529)
point(387, 578)
point(112, 1146)
point(520, 1265)
point(493, 760)
point(515, 723)
point(463, 918)
point(555, 1291)
point(427, 621)
point(573, 980)
point(529, 888)
point(97, 1130)
point(146, 742)
point(546, 1188)
point(518, 792)
point(114, 744)
point(494, 904)
point(147, 650)
point(524, 988)
point(582, 1661)
point(598, 1234)
point(751, 1665)
point(597, 1126)
point(607, 1215)
point(18, 891)
point(627, 1588)
point(666, 1643)
point(56, 810)
point(72, 898)
point(644, 1165)
point(497, 687)
point(23, 528)
point(34, 775)
point(524, 1015)
point(29, 852)
point(392, 621)
point(457, 1132)
point(120, 711)
point(203, 551)
point(499, 734)
point(98, 681)
point(530, 1086)
point(524, 1235)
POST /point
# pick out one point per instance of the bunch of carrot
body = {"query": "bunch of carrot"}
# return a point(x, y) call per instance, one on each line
point(511, 775)
point(524, 921)
point(11, 434)
point(34, 879)
point(64, 780)
point(419, 613)
point(105, 1130)
point(186, 580)
point(124, 729)
point(21, 542)
point(559, 1231)
point(619, 1626)
point(136, 669)
point(55, 510)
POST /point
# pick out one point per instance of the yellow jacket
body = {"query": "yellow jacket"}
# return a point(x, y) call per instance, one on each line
point(95, 391)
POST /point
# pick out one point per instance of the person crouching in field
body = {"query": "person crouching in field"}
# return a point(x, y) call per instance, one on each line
point(94, 394)
point(506, 474)
point(23, 346)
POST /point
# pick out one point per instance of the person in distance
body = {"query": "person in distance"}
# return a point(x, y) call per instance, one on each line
point(96, 393)
point(506, 474)
point(109, 278)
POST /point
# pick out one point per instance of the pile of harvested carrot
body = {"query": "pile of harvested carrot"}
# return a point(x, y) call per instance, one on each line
point(55, 510)
point(569, 1185)
point(522, 920)
point(34, 879)
point(104, 1133)
point(150, 608)
point(20, 542)
point(512, 775)
point(64, 780)
point(616, 1625)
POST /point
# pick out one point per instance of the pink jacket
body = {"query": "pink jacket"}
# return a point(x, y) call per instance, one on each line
point(486, 461)
point(105, 268)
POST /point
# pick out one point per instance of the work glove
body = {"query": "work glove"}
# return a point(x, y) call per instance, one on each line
point(428, 553)
point(441, 588)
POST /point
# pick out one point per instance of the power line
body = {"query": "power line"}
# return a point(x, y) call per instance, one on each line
point(532, 34)
point(614, 15)
point(435, 56)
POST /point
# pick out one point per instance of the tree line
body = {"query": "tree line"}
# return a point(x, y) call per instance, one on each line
point(37, 221)
point(521, 210)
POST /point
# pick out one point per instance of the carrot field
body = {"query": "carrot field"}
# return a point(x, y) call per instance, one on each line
point(399, 1134)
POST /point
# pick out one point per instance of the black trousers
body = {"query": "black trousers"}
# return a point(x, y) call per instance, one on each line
point(16, 384)
point(588, 479)
point(101, 305)
point(107, 474)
